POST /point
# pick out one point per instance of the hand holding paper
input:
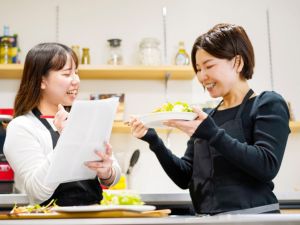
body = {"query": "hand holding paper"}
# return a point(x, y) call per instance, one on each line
point(88, 127)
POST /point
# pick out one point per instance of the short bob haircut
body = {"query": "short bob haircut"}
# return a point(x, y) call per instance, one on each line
point(40, 60)
point(225, 41)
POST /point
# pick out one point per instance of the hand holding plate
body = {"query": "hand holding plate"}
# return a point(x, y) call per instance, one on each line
point(138, 129)
point(189, 126)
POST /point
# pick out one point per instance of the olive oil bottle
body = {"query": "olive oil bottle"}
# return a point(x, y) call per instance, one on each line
point(182, 57)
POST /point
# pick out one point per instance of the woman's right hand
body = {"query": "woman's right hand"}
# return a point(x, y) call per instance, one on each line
point(60, 118)
point(138, 129)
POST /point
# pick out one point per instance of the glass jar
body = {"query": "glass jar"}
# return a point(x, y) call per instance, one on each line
point(85, 56)
point(149, 52)
point(115, 52)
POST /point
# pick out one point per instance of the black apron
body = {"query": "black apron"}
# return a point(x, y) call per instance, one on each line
point(85, 192)
point(218, 186)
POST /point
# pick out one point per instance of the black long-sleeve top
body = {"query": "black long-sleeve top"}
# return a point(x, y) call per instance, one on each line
point(265, 121)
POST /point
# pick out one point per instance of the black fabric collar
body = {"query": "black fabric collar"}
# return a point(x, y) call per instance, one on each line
point(54, 134)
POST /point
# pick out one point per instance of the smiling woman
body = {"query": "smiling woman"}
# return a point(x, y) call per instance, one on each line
point(50, 83)
point(235, 150)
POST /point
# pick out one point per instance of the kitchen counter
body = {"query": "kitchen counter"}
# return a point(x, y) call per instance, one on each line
point(262, 219)
point(9, 200)
point(163, 200)
point(158, 199)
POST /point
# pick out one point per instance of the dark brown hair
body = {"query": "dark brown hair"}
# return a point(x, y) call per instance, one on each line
point(40, 60)
point(225, 41)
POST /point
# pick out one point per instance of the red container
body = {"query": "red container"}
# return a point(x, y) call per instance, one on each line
point(6, 178)
point(6, 172)
point(6, 114)
point(7, 111)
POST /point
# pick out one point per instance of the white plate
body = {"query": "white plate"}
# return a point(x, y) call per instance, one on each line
point(5, 118)
point(98, 208)
point(156, 119)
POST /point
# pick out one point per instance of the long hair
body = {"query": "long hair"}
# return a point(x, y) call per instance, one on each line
point(40, 60)
point(225, 41)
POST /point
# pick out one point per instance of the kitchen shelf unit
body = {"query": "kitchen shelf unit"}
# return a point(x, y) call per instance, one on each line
point(14, 71)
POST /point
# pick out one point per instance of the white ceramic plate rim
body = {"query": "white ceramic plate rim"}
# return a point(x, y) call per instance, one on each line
point(156, 119)
point(98, 208)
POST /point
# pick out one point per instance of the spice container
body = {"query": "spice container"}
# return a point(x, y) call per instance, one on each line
point(115, 52)
point(76, 50)
point(149, 52)
point(85, 56)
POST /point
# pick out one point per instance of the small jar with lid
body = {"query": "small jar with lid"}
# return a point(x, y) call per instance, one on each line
point(149, 52)
point(115, 52)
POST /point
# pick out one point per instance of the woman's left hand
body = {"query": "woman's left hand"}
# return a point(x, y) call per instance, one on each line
point(103, 166)
point(188, 127)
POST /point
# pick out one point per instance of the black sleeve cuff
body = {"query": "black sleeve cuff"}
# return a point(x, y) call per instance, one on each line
point(207, 129)
point(150, 136)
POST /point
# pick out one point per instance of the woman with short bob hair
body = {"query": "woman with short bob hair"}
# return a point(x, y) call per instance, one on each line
point(235, 149)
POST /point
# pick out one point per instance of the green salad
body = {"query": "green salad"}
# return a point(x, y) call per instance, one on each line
point(175, 107)
point(121, 198)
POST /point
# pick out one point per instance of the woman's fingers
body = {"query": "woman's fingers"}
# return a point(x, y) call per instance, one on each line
point(104, 165)
point(60, 118)
point(201, 115)
point(138, 129)
point(99, 164)
point(108, 149)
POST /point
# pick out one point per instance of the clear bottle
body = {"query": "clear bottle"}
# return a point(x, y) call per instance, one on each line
point(115, 52)
point(182, 57)
point(85, 56)
point(149, 52)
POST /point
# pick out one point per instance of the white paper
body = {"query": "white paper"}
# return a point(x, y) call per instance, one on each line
point(88, 126)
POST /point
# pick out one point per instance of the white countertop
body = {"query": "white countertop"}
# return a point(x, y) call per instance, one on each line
point(7, 200)
point(262, 219)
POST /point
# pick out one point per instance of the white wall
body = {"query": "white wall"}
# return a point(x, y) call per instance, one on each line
point(89, 23)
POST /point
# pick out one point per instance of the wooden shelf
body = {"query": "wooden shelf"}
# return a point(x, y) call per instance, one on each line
point(14, 71)
point(11, 71)
point(295, 126)
point(120, 127)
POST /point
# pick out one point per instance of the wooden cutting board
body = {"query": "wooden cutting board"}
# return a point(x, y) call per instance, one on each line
point(102, 214)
